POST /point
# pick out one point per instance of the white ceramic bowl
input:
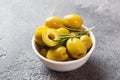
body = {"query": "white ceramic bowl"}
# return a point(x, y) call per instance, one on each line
point(64, 66)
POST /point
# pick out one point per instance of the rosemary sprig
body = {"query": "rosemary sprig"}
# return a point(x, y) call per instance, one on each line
point(75, 33)
point(78, 30)
point(61, 42)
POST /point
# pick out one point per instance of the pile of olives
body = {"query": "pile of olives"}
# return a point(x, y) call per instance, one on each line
point(69, 46)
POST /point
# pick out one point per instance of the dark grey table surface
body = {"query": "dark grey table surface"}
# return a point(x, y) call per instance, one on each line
point(19, 19)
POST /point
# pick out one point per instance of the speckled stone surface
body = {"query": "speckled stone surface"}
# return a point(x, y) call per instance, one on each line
point(19, 19)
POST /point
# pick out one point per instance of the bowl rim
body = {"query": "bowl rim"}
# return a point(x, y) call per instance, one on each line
point(67, 62)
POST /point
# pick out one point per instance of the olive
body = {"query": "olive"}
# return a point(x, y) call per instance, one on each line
point(38, 34)
point(54, 22)
point(43, 52)
point(63, 31)
point(49, 36)
point(87, 41)
point(76, 48)
point(58, 54)
point(73, 21)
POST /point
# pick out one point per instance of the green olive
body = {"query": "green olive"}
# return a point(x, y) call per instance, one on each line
point(63, 31)
point(73, 21)
point(48, 37)
point(38, 34)
point(54, 22)
point(76, 48)
point(87, 41)
point(58, 54)
point(44, 51)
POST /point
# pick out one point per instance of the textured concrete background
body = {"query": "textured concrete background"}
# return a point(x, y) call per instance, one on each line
point(19, 19)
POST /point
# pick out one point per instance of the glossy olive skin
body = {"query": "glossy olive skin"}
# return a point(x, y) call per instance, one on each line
point(63, 31)
point(38, 34)
point(87, 41)
point(76, 48)
point(48, 37)
point(73, 21)
point(54, 22)
point(58, 54)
